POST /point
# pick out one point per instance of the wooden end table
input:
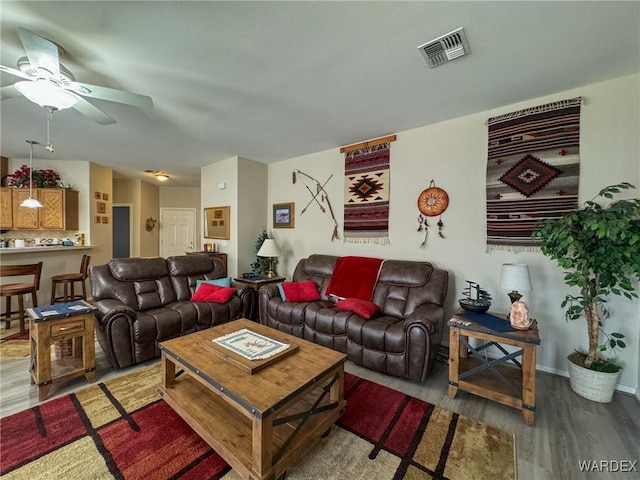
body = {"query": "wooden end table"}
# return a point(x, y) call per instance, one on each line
point(260, 423)
point(255, 283)
point(77, 325)
point(493, 378)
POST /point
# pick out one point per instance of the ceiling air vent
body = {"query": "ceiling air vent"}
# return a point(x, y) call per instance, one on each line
point(445, 48)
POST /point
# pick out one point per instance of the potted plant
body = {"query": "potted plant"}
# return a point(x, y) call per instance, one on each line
point(598, 246)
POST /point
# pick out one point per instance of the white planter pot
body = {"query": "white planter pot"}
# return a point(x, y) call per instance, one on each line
point(592, 385)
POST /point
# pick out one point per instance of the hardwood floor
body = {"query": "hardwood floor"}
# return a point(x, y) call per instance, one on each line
point(568, 429)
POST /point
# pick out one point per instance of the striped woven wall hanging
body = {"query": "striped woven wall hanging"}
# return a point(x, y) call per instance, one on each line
point(366, 194)
point(533, 170)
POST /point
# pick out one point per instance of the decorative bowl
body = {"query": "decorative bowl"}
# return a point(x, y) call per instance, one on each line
point(477, 306)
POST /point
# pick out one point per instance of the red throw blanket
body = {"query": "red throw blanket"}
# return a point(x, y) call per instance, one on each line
point(354, 277)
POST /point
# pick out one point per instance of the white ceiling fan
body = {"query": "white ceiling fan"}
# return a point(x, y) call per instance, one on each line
point(52, 86)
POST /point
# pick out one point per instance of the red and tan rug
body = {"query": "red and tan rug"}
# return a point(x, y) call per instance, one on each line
point(121, 429)
point(14, 344)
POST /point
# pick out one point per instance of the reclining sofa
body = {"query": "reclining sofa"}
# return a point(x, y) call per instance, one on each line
point(402, 340)
point(143, 301)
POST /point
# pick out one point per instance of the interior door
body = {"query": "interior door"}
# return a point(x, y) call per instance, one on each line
point(121, 232)
point(177, 231)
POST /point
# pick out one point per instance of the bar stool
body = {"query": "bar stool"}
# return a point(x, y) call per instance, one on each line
point(20, 289)
point(68, 281)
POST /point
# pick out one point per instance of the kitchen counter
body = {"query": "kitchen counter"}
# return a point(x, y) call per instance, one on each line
point(52, 248)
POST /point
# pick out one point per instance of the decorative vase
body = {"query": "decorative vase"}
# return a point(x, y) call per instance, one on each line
point(591, 384)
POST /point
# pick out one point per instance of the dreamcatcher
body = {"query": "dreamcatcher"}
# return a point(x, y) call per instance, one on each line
point(432, 202)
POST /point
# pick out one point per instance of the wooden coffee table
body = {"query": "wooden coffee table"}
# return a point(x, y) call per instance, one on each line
point(260, 423)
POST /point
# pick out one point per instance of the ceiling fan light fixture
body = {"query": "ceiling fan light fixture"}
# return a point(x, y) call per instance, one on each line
point(46, 94)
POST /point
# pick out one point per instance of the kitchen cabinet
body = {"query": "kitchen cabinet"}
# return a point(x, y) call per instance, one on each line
point(23, 217)
point(6, 208)
point(59, 209)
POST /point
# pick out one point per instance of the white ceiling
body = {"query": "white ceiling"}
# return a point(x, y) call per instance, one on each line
point(274, 80)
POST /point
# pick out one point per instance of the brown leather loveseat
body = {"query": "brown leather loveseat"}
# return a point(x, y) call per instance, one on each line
point(402, 340)
point(143, 301)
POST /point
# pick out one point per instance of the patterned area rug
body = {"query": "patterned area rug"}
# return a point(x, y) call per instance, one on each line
point(121, 429)
point(14, 344)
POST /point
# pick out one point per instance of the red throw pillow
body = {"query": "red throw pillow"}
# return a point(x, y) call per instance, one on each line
point(212, 293)
point(305, 291)
point(364, 308)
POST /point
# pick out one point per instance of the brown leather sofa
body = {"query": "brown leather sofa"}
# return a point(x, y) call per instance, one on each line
point(402, 340)
point(143, 301)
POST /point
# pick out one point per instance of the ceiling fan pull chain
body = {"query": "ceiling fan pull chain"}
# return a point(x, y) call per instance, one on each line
point(49, 146)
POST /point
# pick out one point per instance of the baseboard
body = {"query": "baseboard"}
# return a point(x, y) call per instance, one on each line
point(563, 373)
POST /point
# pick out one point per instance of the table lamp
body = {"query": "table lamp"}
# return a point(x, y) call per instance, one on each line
point(269, 249)
point(515, 277)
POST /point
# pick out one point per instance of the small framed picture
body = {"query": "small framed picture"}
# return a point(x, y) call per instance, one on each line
point(98, 220)
point(105, 196)
point(97, 195)
point(284, 215)
point(101, 207)
point(105, 219)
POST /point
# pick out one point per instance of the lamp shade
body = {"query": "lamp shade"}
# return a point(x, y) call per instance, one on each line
point(268, 248)
point(31, 203)
point(515, 276)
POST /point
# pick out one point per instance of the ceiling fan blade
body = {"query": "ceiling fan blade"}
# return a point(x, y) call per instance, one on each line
point(9, 92)
point(93, 112)
point(41, 52)
point(111, 94)
point(13, 71)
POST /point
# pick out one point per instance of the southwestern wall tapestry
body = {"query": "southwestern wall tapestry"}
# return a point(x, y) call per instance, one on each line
point(366, 194)
point(533, 168)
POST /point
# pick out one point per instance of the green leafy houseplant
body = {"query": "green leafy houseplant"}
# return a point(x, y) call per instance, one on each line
point(599, 249)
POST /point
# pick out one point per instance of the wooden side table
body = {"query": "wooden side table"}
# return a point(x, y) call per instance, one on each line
point(70, 321)
point(256, 283)
point(493, 378)
point(221, 256)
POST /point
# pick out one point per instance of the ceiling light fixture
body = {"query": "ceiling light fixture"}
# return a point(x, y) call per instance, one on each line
point(31, 202)
point(47, 94)
point(163, 177)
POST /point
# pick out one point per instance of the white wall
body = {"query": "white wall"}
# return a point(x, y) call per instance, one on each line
point(245, 191)
point(225, 172)
point(252, 199)
point(454, 155)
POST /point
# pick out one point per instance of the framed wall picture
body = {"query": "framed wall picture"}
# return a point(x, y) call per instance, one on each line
point(217, 222)
point(284, 215)
point(105, 219)
point(97, 219)
point(105, 196)
point(97, 195)
point(101, 207)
